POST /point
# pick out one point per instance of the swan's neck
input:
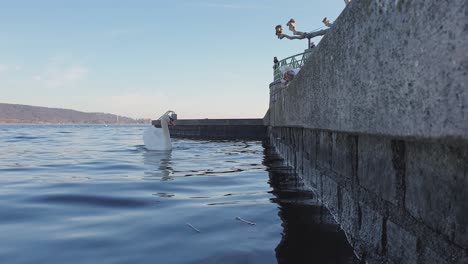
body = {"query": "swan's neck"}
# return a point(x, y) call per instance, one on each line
point(165, 130)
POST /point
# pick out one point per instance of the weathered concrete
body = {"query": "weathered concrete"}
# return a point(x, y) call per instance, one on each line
point(376, 123)
point(402, 245)
point(394, 68)
point(219, 129)
point(437, 187)
point(375, 156)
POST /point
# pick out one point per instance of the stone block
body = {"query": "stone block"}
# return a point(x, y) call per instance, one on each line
point(324, 150)
point(401, 245)
point(349, 214)
point(428, 256)
point(291, 156)
point(299, 147)
point(370, 232)
point(437, 187)
point(330, 195)
point(375, 167)
point(344, 154)
point(310, 156)
point(308, 176)
point(290, 136)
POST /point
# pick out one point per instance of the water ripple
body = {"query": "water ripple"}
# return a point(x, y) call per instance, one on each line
point(91, 200)
point(94, 194)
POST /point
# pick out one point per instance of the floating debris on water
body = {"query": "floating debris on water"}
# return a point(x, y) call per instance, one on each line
point(245, 221)
point(193, 228)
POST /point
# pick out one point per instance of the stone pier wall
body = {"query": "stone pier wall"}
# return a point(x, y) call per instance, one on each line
point(401, 201)
point(376, 122)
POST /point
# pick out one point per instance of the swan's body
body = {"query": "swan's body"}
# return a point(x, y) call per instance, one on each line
point(158, 138)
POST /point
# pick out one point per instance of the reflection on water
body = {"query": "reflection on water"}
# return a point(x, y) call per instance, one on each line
point(310, 234)
point(159, 164)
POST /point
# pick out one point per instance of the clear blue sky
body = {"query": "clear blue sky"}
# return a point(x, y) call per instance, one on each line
point(200, 58)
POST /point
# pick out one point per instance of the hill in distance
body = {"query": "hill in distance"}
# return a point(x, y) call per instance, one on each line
point(26, 114)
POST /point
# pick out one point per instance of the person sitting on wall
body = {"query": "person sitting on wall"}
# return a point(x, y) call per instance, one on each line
point(312, 45)
point(288, 75)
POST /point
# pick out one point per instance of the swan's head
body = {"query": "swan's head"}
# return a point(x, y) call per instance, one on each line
point(169, 117)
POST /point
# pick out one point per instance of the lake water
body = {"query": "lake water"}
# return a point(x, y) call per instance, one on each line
point(94, 194)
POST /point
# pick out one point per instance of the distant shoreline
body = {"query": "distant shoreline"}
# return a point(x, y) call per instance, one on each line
point(27, 114)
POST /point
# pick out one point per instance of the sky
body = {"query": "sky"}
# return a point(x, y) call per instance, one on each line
point(139, 58)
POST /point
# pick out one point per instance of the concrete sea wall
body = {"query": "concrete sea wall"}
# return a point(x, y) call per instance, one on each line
point(376, 122)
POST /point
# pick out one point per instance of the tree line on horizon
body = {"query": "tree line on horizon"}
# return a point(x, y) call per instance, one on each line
point(16, 113)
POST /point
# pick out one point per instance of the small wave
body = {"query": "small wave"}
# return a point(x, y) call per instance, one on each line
point(207, 172)
point(239, 202)
point(27, 137)
point(244, 194)
point(93, 200)
point(162, 194)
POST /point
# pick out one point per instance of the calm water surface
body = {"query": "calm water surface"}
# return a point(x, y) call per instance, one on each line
point(94, 194)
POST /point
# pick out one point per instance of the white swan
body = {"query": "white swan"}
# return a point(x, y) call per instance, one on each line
point(158, 138)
